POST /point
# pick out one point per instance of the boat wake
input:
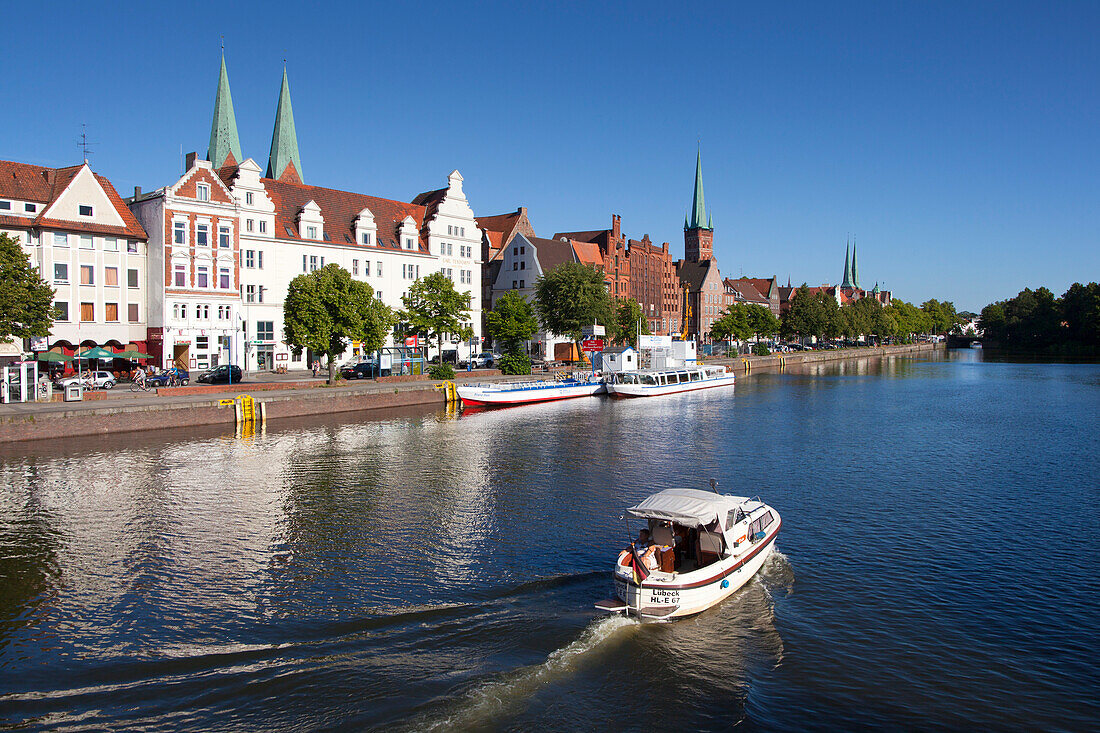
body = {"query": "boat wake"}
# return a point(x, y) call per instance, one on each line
point(484, 705)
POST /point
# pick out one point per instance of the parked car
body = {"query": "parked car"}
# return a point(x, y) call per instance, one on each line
point(223, 374)
point(366, 369)
point(99, 380)
point(164, 378)
point(485, 360)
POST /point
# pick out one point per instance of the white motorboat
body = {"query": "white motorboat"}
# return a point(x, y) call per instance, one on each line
point(705, 546)
point(650, 382)
point(522, 393)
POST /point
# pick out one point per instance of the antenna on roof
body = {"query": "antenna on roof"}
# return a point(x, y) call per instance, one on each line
point(83, 142)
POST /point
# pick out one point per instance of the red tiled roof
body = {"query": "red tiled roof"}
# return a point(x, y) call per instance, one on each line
point(43, 185)
point(744, 287)
point(502, 223)
point(588, 253)
point(339, 209)
point(763, 285)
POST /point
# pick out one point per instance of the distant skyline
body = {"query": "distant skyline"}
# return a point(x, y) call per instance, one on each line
point(956, 144)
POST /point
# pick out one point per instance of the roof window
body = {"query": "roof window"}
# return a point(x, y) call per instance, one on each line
point(86, 210)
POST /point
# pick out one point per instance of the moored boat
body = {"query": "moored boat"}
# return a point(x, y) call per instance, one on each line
point(699, 547)
point(651, 382)
point(521, 393)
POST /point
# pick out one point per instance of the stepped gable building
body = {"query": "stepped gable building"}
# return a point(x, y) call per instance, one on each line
point(285, 227)
point(496, 231)
point(87, 245)
point(632, 268)
point(698, 272)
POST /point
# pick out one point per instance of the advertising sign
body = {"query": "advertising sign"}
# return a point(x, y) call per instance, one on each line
point(39, 343)
point(411, 342)
point(592, 345)
point(655, 342)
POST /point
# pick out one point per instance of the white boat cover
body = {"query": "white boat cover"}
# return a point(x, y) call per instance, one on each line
point(690, 507)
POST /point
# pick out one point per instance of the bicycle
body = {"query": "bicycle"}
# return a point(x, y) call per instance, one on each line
point(141, 386)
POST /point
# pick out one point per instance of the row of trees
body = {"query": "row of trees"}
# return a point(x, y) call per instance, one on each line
point(816, 313)
point(1037, 321)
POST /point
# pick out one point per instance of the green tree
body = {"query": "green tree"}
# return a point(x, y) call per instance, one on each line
point(761, 320)
point(830, 310)
point(26, 301)
point(942, 314)
point(325, 310)
point(733, 325)
point(511, 322)
point(805, 316)
point(433, 308)
point(910, 320)
point(628, 319)
point(570, 297)
point(1081, 310)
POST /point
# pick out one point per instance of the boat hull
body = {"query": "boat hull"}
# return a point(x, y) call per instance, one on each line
point(686, 595)
point(653, 390)
point(528, 393)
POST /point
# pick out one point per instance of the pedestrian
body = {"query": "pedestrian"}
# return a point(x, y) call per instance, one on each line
point(316, 366)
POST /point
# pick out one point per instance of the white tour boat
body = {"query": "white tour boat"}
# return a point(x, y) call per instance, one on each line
point(650, 382)
point(522, 393)
point(703, 547)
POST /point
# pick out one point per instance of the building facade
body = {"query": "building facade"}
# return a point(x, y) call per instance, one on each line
point(87, 245)
point(275, 227)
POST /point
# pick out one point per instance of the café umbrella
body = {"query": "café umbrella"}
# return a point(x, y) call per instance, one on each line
point(96, 352)
point(53, 356)
point(133, 354)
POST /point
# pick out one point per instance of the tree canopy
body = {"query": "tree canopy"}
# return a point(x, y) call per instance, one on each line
point(732, 325)
point(570, 297)
point(943, 317)
point(433, 308)
point(326, 309)
point(26, 301)
point(1037, 321)
point(512, 321)
point(807, 315)
point(629, 319)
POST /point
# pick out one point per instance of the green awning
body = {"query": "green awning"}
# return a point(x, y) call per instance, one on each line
point(134, 354)
point(51, 356)
point(96, 352)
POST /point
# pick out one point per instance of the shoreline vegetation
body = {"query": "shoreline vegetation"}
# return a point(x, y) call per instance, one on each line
point(1036, 325)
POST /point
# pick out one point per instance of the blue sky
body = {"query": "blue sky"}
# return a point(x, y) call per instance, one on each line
point(956, 142)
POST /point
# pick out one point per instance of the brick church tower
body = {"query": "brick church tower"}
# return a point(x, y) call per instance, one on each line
point(698, 230)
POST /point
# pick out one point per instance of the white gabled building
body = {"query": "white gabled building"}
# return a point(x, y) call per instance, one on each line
point(87, 245)
point(282, 228)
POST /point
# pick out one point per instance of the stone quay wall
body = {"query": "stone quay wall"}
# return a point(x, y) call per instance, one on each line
point(188, 407)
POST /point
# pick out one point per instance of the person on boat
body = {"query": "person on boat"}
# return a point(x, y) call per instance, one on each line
point(647, 551)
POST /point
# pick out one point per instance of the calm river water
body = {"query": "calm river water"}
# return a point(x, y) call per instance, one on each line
point(937, 566)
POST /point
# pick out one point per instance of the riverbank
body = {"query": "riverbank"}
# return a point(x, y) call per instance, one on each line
point(191, 407)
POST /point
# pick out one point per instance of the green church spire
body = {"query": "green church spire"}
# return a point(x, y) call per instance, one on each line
point(855, 267)
point(698, 217)
point(284, 140)
point(847, 270)
point(225, 146)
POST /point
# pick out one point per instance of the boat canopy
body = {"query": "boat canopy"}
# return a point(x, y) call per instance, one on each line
point(691, 507)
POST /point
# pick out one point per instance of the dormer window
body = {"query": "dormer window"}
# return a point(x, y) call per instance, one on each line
point(408, 243)
point(5, 205)
point(86, 210)
point(366, 237)
point(311, 232)
point(202, 192)
point(30, 208)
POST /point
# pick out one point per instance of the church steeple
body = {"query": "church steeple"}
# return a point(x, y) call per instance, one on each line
point(283, 163)
point(855, 267)
point(698, 229)
point(698, 217)
point(847, 270)
point(225, 146)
